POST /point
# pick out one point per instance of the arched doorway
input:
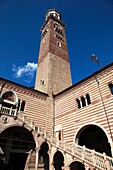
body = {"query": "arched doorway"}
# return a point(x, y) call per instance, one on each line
point(93, 137)
point(58, 160)
point(43, 156)
point(16, 142)
point(76, 166)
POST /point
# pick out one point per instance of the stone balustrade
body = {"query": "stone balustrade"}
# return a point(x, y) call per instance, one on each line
point(8, 111)
point(95, 159)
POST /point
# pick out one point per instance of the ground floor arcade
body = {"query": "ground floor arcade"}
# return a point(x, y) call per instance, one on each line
point(20, 150)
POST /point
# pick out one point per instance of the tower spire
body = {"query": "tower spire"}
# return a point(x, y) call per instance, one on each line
point(53, 74)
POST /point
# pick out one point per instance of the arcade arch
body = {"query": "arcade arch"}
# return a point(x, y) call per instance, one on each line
point(76, 165)
point(16, 142)
point(44, 156)
point(93, 137)
point(58, 160)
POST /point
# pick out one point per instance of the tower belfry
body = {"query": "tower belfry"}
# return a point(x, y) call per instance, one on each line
point(53, 73)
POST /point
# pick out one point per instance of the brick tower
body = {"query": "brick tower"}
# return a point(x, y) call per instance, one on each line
point(53, 74)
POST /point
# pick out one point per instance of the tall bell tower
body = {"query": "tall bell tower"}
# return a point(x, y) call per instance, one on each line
point(53, 73)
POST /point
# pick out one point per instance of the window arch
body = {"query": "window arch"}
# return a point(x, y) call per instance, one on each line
point(59, 44)
point(22, 106)
point(83, 101)
point(111, 87)
point(88, 99)
point(10, 97)
point(78, 103)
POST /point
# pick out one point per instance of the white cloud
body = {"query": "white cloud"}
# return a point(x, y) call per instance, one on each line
point(26, 70)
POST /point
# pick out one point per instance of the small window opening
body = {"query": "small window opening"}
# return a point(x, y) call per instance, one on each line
point(18, 104)
point(59, 37)
point(60, 135)
point(22, 106)
point(78, 102)
point(88, 99)
point(58, 29)
point(44, 33)
point(83, 101)
point(42, 82)
point(111, 87)
point(59, 44)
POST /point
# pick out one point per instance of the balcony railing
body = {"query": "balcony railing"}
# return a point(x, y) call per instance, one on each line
point(8, 111)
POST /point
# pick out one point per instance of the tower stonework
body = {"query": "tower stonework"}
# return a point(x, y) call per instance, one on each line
point(53, 73)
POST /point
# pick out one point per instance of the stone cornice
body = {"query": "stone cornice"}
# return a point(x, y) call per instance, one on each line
point(88, 80)
point(9, 85)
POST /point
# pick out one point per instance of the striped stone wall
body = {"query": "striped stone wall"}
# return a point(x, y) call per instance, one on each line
point(99, 112)
point(35, 102)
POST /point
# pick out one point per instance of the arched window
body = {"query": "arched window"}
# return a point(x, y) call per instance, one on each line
point(60, 135)
point(111, 87)
point(18, 104)
point(9, 96)
point(83, 101)
point(78, 103)
point(42, 82)
point(22, 106)
point(59, 44)
point(9, 99)
point(88, 99)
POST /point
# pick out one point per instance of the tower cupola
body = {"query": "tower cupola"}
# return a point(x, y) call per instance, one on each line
point(53, 13)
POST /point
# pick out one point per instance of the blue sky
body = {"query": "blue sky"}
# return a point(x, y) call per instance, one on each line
point(89, 30)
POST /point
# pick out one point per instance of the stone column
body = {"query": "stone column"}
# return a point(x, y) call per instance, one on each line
point(37, 158)
point(111, 144)
point(107, 163)
point(50, 157)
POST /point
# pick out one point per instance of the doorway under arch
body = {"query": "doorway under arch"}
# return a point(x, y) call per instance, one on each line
point(16, 142)
point(43, 156)
point(93, 137)
point(76, 165)
point(58, 160)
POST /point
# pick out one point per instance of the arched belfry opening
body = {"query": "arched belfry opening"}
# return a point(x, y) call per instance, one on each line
point(93, 137)
point(43, 156)
point(16, 142)
point(58, 160)
point(76, 165)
